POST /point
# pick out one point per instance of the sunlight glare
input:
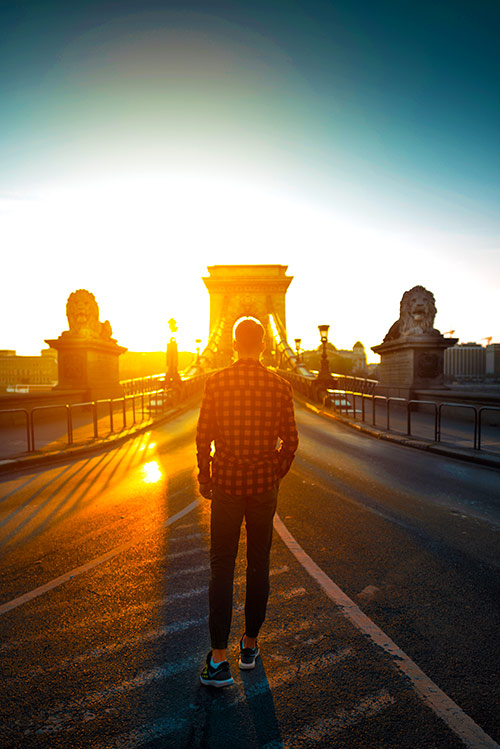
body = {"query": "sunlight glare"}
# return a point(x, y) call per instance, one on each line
point(151, 472)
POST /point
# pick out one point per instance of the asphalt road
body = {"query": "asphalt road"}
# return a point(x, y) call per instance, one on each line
point(103, 602)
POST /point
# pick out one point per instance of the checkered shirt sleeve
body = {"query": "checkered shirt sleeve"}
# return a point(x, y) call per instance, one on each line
point(247, 414)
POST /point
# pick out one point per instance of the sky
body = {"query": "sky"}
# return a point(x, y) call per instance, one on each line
point(356, 142)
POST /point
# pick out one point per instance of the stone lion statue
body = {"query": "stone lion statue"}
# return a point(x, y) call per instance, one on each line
point(82, 312)
point(416, 316)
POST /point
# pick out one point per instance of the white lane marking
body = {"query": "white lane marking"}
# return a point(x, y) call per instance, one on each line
point(152, 634)
point(12, 645)
point(185, 538)
point(158, 729)
point(186, 553)
point(459, 722)
point(188, 571)
point(321, 729)
point(93, 562)
point(147, 733)
point(71, 712)
point(295, 593)
point(278, 570)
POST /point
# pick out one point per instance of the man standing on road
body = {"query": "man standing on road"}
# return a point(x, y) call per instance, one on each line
point(247, 411)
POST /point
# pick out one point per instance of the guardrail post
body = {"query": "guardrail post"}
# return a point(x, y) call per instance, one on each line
point(69, 423)
point(94, 418)
point(111, 425)
point(124, 411)
point(133, 409)
point(32, 430)
point(475, 428)
point(27, 430)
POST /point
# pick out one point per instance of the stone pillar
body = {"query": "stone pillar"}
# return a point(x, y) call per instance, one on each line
point(411, 363)
point(87, 354)
point(412, 352)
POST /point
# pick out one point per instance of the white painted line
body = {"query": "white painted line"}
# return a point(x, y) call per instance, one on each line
point(160, 728)
point(343, 718)
point(459, 722)
point(186, 553)
point(115, 647)
point(5, 607)
point(279, 570)
point(188, 571)
point(147, 733)
point(286, 676)
point(295, 593)
point(185, 538)
point(64, 716)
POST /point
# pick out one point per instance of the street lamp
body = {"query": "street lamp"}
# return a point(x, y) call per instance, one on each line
point(197, 341)
point(172, 374)
point(298, 341)
point(324, 370)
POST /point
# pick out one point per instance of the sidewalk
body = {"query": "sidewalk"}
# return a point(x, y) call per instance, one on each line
point(54, 448)
point(481, 457)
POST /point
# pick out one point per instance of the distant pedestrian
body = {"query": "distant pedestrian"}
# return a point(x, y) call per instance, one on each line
point(247, 411)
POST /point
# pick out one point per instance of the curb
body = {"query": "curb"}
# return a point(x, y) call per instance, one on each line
point(460, 453)
point(25, 463)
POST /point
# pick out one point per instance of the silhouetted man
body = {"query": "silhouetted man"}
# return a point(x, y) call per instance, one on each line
point(247, 411)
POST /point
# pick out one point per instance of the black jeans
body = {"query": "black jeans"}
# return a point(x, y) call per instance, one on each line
point(225, 524)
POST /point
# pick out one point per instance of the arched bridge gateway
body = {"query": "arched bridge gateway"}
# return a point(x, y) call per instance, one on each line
point(238, 291)
point(259, 291)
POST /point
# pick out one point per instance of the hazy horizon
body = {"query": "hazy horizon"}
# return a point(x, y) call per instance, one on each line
point(143, 141)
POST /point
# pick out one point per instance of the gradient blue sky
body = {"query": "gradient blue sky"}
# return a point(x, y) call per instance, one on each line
point(357, 142)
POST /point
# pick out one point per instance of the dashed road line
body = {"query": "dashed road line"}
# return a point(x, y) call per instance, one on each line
point(15, 602)
point(158, 729)
point(469, 732)
point(189, 571)
point(185, 538)
point(342, 718)
point(185, 553)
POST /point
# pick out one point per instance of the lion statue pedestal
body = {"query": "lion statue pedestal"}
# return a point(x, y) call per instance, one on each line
point(87, 354)
point(412, 352)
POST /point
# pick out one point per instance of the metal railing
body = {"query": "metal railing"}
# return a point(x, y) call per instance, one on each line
point(147, 405)
point(311, 387)
point(345, 402)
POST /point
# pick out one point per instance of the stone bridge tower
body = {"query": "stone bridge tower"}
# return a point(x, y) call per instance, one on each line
point(246, 291)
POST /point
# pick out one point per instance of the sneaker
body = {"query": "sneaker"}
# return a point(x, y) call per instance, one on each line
point(216, 676)
point(247, 656)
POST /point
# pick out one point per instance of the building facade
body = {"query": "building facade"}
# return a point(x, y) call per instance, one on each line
point(471, 361)
point(27, 373)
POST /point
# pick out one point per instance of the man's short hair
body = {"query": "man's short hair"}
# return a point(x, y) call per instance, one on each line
point(249, 334)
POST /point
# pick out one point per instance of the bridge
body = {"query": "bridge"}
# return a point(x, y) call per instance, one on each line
point(382, 625)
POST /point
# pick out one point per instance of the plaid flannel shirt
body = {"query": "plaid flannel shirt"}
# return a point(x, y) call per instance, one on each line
point(247, 411)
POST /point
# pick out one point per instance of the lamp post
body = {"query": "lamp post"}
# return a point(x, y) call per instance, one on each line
point(172, 355)
point(197, 341)
point(298, 341)
point(324, 370)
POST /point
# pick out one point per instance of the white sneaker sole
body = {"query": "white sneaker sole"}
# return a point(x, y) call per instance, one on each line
point(248, 666)
point(217, 683)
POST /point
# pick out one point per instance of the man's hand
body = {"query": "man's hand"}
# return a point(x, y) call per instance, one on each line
point(205, 489)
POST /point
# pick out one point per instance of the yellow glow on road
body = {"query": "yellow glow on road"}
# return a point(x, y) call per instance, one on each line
point(151, 472)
